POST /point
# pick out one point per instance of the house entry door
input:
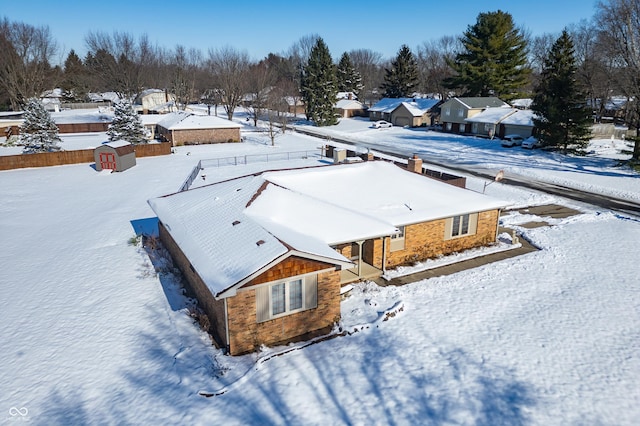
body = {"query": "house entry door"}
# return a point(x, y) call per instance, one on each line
point(107, 161)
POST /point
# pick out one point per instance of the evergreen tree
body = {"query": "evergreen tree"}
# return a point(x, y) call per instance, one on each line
point(402, 78)
point(319, 86)
point(349, 79)
point(562, 117)
point(494, 59)
point(126, 124)
point(74, 82)
point(38, 132)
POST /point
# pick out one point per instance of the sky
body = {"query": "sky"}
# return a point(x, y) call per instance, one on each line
point(261, 27)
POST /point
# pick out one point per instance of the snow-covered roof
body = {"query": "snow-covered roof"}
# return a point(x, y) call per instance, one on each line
point(522, 117)
point(117, 144)
point(480, 102)
point(187, 121)
point(492, 115)
point(522, 103)
point(416, 106)
point(302, 210)
point(104, 96)
point(349, 104)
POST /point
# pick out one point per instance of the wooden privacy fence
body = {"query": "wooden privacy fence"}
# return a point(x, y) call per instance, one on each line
point(46, 159)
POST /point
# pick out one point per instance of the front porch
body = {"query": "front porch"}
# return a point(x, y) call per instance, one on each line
point(367, 272)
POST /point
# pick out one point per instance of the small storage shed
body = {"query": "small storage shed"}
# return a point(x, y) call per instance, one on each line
point(117, 156)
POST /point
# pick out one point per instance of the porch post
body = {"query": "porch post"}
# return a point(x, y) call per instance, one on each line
point(384, 255)
point(359, 257)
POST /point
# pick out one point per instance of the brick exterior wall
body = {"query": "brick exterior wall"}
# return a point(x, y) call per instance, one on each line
point(213, 308)
point(200, 136)
point(246, 334)
point(427, 240)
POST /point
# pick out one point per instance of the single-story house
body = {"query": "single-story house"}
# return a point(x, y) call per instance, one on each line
point(411, 112)
point(266, 255)
point(455, 111)
point(346, 108)
point(117, 156)
point(154, 101)
point(184, 128)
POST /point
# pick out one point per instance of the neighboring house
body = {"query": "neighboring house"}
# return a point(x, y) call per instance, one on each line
point(183, 128)
point(106, 98)
point(154, 101)
point(520, 123)
point(266, 255)
point(523, 103)
point(411, 112)
point(347, 108)
point(455, 112)
point(487, 122)
point(295, 105)
point(52, 99)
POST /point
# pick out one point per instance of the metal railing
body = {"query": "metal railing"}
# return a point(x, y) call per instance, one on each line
point(246, 159)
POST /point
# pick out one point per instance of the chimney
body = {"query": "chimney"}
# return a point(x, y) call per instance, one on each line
point(415, 164)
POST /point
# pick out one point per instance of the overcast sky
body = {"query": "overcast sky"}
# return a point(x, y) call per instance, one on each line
point(260, 27)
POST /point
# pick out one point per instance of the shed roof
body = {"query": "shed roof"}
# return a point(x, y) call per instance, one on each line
point(121, 147)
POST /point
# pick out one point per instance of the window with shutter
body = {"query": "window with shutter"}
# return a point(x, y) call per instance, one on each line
point(285, 298)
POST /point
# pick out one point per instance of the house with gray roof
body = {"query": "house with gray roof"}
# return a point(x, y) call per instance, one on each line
point(412, 112)
point(455, 111)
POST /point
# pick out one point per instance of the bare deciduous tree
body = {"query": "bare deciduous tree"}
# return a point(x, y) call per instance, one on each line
point(25, 69)
point(432, 64)
point(121, 63)
point(619, 21)
point(369, 64)
point(260, 81)
point(228, 68)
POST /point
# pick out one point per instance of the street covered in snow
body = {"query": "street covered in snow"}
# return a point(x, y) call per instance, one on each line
point(96, 328)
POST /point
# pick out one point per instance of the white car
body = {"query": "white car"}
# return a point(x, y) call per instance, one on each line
point(531, 143)
point(381, 123)
point(512, 140)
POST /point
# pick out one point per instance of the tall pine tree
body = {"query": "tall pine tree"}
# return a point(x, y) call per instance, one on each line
point(562, 117)
point(38, 132)
point(401, 79)
point(349, 79)
point(494, 60)
point(319, 86)
point(126, 124)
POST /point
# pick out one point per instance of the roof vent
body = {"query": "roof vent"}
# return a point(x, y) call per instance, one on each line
point(259, 243)
point(235, 222)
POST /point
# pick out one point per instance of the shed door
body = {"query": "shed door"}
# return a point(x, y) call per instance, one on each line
point(107, 160)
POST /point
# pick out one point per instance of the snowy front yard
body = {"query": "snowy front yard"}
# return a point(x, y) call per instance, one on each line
point(91, 334)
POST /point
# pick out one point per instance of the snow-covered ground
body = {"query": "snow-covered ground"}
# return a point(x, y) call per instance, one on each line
point(94, 331)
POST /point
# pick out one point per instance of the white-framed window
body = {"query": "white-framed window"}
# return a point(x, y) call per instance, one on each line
point(447, 111)
point(286, 297)
point(449, 126)
point(474, 127)
point(460, 113)
point(487, 127)
point(397, 240)
point(460, 226)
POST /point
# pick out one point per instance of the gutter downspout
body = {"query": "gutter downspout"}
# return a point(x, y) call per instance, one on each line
point(226, 327)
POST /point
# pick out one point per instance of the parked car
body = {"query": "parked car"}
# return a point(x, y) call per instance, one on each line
point(531, 143)
point(381, 123)
point(512, 140)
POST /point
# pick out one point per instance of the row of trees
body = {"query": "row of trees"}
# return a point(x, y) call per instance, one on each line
point(493, 57)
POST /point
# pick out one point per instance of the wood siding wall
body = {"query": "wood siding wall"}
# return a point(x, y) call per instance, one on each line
point(290, 267)
point(46, 159)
